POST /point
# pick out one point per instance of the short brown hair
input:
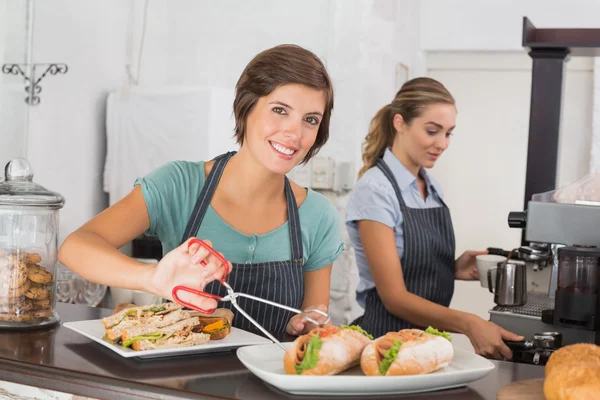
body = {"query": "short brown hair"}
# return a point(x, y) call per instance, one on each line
point(410, 102)
point(282, 65)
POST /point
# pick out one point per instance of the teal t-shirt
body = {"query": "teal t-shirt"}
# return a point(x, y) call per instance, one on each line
point(171, 191)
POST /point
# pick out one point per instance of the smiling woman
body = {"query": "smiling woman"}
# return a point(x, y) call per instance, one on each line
point(280, 238)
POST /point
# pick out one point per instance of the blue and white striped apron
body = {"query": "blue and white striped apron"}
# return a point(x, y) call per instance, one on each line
point(427, 262)
point(278, 281)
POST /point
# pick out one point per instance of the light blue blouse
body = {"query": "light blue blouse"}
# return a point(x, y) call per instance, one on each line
point(373, 198)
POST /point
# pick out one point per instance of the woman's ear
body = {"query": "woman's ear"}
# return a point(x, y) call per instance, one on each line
point(398, 122)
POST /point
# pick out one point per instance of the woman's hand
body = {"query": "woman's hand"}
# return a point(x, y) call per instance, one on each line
point(183, 267)
point(487, 338)
point(465, 268)
point(299, 326)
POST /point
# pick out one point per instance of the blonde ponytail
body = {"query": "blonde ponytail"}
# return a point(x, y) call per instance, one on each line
point(410, 101)
point(381, 136)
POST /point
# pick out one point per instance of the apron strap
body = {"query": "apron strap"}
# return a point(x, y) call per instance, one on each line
point(294, 224)
point(390, 176)
point(208, 191)
point(206, 195)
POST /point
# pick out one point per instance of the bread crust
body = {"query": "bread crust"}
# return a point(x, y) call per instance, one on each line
point(573, 372)
point(420, 353)
point(339, 352)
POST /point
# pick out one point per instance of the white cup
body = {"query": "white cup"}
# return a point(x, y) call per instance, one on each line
point(485, 262)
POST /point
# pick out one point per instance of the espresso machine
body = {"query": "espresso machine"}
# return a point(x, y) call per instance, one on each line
point(563, 227)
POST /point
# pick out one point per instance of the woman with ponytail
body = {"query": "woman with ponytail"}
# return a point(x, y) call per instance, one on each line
point(401, 229)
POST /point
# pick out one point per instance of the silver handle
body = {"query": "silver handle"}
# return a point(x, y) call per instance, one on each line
point(489, 278)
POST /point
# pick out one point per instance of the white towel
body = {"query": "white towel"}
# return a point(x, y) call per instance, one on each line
point(146, 128)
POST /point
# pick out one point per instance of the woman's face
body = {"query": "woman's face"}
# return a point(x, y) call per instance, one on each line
point(283, 126)
point(426, 137)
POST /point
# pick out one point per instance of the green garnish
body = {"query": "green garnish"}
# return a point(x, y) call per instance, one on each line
point(311, 356)
point(434, 331)
point(358, 329)
point(389, 357)
point(151, 336)
point(156, 309)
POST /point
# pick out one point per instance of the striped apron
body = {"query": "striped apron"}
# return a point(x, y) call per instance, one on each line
point(278, 281)
point(427, 262)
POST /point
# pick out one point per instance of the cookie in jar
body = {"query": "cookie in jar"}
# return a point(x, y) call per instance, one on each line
point(25, 289)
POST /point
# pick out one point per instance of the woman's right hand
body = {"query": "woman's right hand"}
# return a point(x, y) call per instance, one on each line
point(182, 266)
point(488, 338)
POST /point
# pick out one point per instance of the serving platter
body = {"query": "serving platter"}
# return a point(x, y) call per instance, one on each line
point(266, 362)
point(94, 330)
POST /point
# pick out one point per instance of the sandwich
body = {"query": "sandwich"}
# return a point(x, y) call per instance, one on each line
point(150, 336)
point(326, 350)
point(407, 352)
point(217, 324)
point(158, 315)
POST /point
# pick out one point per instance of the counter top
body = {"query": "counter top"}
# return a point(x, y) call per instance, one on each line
point(63, 360)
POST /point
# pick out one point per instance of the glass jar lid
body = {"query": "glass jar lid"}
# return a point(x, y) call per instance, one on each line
point(18, 188)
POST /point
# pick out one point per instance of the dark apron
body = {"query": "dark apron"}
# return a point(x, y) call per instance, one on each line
point(278, 281)
point(427, 262)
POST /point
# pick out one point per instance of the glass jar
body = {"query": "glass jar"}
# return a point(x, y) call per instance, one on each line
point(578, 270)
point(28, 249)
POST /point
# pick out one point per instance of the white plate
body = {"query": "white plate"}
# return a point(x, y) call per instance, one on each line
point(266, 362)
point(94, 329)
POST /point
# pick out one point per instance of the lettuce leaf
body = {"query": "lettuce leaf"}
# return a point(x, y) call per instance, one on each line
point(358, 329)
point(150, 336)
point(311, 356)
point(389, 357)
point(434, 331)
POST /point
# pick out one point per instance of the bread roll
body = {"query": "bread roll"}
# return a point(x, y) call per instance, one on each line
point(331, 350)
point(573, 354)
point(414, 352)
point(573, 372)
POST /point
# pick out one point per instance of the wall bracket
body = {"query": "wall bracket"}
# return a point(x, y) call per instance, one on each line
point(33, 88)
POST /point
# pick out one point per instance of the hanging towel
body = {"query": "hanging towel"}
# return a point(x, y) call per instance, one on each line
point(146, 128)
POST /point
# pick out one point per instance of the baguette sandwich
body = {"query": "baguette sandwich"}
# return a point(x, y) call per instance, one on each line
point(407, 352)
point(150, 337)
point(159, 315)
point(326, 350)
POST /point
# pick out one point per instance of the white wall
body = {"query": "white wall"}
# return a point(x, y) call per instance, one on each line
point(497, 24)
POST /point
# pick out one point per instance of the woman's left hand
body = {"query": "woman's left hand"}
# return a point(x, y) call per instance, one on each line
point(465, 268)
point(299, 326)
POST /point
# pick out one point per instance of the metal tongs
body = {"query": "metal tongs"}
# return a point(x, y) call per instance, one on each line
point(232, 297)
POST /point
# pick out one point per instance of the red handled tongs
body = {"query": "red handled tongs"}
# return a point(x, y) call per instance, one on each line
point(232, 296)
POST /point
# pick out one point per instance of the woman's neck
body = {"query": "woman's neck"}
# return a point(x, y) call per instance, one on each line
point(245, 178)
point(401, 155)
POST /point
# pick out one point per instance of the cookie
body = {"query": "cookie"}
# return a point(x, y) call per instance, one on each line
point(39, 275)
point(32, 258)
point(16, 308)
point(15, 318)
point(40, 304)
point(42, 314)
point(18, 291)
point(37, 293)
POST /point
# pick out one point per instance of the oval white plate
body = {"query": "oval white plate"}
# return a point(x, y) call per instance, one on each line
point(266, 362)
